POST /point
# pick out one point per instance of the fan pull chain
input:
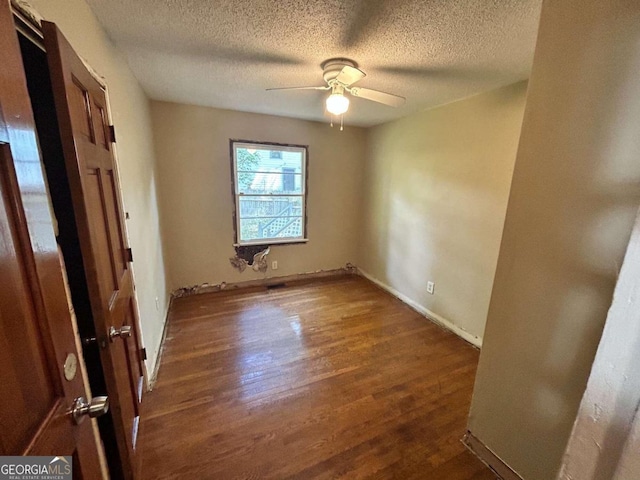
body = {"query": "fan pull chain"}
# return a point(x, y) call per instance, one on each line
point(331, 121)
point(342, 122)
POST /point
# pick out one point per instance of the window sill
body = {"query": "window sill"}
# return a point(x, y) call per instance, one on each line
point(272, 243)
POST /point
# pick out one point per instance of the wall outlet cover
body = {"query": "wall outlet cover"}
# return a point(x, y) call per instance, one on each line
point(430, 287)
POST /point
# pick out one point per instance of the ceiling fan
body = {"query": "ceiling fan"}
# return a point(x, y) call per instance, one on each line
point(340, 74)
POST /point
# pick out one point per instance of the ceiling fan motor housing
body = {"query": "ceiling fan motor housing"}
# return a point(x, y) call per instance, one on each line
point(332, 67)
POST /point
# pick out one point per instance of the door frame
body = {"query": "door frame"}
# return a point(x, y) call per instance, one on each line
point(44, 310)
point(29, 22)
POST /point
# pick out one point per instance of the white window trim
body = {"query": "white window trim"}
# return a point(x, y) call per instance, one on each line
point(235, 144)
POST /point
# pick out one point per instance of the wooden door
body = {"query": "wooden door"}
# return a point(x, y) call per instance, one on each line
point(36, 330)
point(82, 116)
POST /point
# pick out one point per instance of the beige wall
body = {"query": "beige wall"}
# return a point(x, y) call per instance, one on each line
point(575, 192)
point(629, 465)
point(192, 148)
point(605, 422)
point(436, 190)
point(130, 112)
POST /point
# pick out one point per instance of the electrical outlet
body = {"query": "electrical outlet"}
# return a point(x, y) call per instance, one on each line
point(430, 287)
point(157, 304)
point(274, 265)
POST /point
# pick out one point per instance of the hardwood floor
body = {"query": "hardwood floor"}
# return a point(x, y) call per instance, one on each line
point(324, 380)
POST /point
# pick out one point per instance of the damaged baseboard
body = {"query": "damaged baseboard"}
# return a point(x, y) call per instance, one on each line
point(349, 269)
point(490, 459)
point(434, 317)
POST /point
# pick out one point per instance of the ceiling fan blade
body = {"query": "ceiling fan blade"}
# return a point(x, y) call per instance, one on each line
point(376, 96)
point(301, 88)
point(350, 75)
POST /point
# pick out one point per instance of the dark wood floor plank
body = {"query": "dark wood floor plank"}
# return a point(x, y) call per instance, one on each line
point(322, 380)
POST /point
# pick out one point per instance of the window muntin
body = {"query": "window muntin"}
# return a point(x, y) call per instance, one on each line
point(270, 193)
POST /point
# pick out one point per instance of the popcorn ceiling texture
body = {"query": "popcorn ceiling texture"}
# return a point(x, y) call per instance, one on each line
point(225, 53)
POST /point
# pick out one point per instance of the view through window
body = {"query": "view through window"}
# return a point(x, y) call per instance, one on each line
point(270, 193)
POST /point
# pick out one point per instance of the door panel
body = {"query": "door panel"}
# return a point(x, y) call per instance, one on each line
point(21, 343)
point(94, 196)
point(119, 259)
point(100, 125)
point(80, 109)
point(36, 330)
point(133, 348)
point(80, 106)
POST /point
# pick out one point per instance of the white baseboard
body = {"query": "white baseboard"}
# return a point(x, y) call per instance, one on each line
point(434, 317)
point(155, 367)
point(489, 458)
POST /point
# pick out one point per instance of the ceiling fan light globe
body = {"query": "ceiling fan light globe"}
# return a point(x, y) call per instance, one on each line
point(337, 104)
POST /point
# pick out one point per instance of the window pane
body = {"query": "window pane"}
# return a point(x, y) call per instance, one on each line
point(253, 159)
point(269, 171)
point(266, 228)
point(265, 183)
point(275, 206)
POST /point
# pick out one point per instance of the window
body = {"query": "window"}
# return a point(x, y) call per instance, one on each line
point(269, 188)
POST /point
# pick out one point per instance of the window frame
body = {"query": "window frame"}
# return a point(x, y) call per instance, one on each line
point(304, 176)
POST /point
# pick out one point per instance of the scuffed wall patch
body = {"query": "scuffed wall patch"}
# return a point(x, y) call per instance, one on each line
point(254, 257)
point(239, 264)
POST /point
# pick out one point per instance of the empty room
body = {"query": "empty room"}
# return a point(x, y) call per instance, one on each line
point(325, 239)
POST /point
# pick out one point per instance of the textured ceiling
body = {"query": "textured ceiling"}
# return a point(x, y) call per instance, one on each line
point(225, 53)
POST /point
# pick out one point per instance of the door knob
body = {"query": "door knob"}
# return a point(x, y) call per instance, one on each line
point(81, 408)
point(122, 332)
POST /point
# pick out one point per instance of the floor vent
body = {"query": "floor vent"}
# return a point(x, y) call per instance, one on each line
point(276, 285)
